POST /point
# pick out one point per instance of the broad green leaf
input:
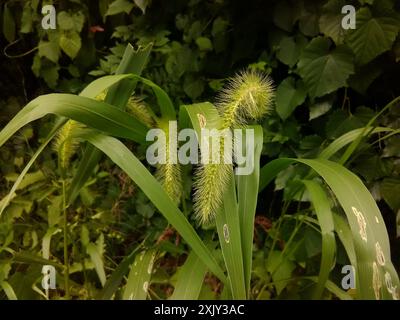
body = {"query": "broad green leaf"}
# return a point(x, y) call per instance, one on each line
point(204, 44)
point(70, 43)
point(50, 50)
point(325, 69)
point(281, 269)
point(50, 75)
point(324, 214)
point(290, 49)
point(289, 95)
point(8, 24)
point(365, 75)
point(65, 21)
point(193, 86)
point(330, 22)
point(190, 279)
point(119, 6)
point(373, 35)
point(284, 15)
point(142, 4)
point(122, 157)
point(320, 108)
point(26, 19)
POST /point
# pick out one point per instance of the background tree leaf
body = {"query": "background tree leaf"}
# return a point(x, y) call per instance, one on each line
point(324, 69)
point(373, 35)
point(289, 95)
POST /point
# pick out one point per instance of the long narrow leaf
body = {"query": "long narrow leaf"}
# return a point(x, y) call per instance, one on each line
point(347, 138)
point(116, 277)
point(247, 187)
point(122, 157)
point(133, 62)
point(369, 232)
point(227, 218)
point(190, 279)
point(325, 219)
point(139, 276)
point(228, 227)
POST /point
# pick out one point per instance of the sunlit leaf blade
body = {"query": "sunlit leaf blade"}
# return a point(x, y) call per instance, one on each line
point(101, 84)
point(122, 157)
point(139, 277)
point(347, 138)
point(94, 114)
point(325, 219)
point(190, 279)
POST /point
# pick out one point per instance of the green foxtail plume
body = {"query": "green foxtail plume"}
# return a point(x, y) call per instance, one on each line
point(64, 145)
point(169, 174)
point(141, 112)
point(247, 96)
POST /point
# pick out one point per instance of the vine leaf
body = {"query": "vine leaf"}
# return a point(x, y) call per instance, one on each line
point(324, 69)
point(373, 35)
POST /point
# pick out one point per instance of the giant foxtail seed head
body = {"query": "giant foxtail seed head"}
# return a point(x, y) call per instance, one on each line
point(141, 112)
point(248, 95)
point(169, 173)
point(210, 184)
point(170, 178)
point(65, 144)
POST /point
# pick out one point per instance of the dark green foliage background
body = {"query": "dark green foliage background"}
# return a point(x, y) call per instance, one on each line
point(329, 81)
